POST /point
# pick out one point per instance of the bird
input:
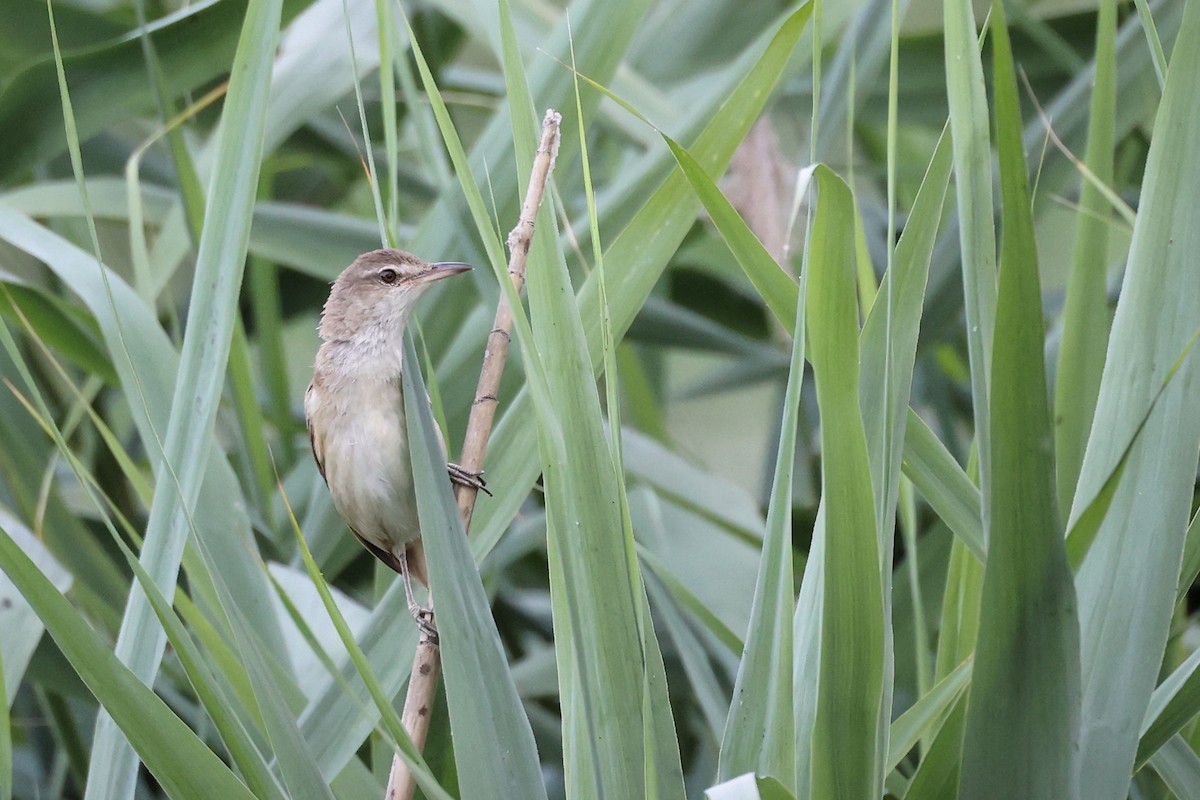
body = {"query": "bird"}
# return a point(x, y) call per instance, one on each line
point(354, 409)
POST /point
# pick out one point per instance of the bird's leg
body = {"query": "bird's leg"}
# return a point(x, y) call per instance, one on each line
point(423, 615)
point(464, 477)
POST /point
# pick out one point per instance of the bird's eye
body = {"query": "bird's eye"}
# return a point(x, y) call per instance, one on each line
point(387, 275)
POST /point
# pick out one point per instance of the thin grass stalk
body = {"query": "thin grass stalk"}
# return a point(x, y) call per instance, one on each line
point(422, 686)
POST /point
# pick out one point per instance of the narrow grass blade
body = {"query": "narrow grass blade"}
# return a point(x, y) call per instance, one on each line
point(778, 288)
point(973, 180)
point(925, 714)
point(1086, 316)
point(1124, 628)
point(846, 761)
point(943, 484)
point(1023, 717)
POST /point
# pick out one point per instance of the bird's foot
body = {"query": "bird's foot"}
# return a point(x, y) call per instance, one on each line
point(464, 477)
point(425, 622)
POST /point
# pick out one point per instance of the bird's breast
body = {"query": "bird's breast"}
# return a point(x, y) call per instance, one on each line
point(364, 449)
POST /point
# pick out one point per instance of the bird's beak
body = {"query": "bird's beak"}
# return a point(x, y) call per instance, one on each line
point(443, 269)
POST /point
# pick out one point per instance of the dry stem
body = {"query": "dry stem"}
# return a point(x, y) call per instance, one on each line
point(427, 662)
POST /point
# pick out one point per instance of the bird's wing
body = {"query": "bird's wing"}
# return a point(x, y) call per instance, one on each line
point(317, 445)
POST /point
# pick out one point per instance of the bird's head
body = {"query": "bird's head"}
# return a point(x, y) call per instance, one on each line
point(374, 296)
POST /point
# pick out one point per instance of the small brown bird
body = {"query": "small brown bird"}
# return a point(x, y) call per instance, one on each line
point(354, 409)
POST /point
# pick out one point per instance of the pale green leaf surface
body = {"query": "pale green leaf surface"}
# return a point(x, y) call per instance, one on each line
point(307, 667)
point(1124, 627)
point(690, 486)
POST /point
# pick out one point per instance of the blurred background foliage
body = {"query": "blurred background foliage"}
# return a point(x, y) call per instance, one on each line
point(701, 369)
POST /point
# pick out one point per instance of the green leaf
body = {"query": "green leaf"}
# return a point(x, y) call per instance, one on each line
point(485, 709)
point(1124, 628)
point(846, 761)
point(977, 236)
point(60, 325)
point(1174, 704)
point(777, 287)
point(1023, 714)
point(925, 714)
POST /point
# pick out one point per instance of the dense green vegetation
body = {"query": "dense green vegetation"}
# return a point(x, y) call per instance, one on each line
point(849, 439)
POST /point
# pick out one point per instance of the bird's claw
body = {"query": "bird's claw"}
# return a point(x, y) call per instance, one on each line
point(464, 477)
point(425, 623)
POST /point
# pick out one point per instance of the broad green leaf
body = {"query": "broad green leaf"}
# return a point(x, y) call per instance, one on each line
point(845, 761)
point(1023, 712)
point(60, 325)
point(176, 757)
point(1124, 628)
point(484, 707)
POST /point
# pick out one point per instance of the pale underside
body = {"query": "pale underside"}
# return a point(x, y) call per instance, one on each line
point(361, 445)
